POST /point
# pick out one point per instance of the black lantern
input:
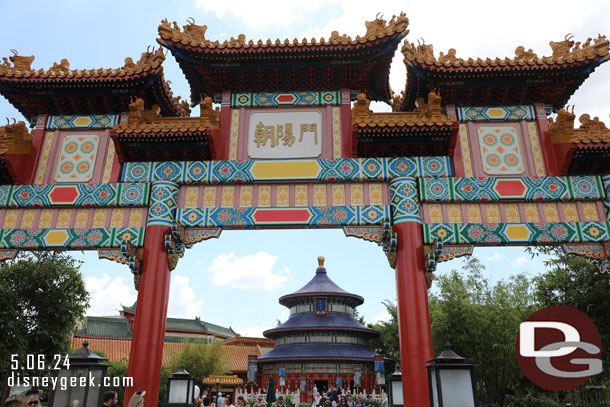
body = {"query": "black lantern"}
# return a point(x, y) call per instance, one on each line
point(181, 389)
point(451, 380)
point(394, 382)
point(74, 388)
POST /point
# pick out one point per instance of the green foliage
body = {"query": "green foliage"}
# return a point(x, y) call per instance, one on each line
point(201, 359)
point(165, 374)
point(573, 281)
point(387, 343)
point(42, 296)
point(481, 321)
point(531, 400)
point(117, 369)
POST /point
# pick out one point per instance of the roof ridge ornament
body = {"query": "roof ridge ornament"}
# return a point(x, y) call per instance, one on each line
point(15, 138)
point(590, 131)
point(566, 50)
point(424, 113)
point(20, 63)
point(194, 35)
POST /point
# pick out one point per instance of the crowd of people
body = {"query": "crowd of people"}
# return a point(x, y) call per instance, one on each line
point(111, 399)
point(334, 397)
point(330, 398)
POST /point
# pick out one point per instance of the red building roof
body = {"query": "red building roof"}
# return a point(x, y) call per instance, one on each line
point(64, 91)
point(117, 350)
point(523, 79)
point(245, 65)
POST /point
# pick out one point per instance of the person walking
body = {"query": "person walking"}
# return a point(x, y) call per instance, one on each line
point(111, 399)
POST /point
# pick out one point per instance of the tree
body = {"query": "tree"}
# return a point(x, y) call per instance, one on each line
point(481, 321)
point(387, 342)
point(572, 280)
point(201, 359)
point(42, 296)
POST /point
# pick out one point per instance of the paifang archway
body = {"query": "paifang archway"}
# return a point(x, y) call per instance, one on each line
point(468, 157)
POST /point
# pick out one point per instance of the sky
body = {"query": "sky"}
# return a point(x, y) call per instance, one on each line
point(236, 280)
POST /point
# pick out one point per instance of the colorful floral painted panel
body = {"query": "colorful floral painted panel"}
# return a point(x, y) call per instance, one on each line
point(500, 150)
point(76, 161)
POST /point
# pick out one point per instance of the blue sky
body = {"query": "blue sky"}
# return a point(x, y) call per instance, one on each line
point(236, 280)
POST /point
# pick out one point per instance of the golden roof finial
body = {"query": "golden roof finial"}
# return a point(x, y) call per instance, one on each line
point(320, 261)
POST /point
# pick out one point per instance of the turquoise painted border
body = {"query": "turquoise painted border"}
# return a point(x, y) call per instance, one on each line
point(534, 189)
point(496, 234)
point(98, 121)
point(94, 238)
point(475, 113)
point(240, 172)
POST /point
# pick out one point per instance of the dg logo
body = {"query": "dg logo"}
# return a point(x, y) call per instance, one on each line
point(559, 348)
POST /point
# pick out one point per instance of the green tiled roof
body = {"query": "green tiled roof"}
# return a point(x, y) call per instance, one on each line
point(105, 326)
point(131, 309)
point(198, 325)
point(118, 327)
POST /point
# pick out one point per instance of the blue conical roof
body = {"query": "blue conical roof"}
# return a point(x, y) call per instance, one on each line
point(320, 284)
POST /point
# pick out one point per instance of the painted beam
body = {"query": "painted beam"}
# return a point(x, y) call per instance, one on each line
point(59, 238)
point(279, 99)
point(74, 195)
point(316, 170)
point(524, 189)
point(495, 113)
point(313, 217)
point(94, 121)
point(497, 234)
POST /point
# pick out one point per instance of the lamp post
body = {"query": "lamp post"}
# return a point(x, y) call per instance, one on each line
point(181, 389)
point(84, 367)
point(394, 382)
point(451, 380)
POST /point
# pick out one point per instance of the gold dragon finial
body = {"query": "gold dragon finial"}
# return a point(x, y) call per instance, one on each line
point(210, 115)
point(15, 138)
point(194, 31)
point(20, 63)
point(62, 66)
point(562, 48)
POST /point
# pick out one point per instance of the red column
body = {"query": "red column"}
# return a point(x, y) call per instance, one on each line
point(346, 125)
point(413, 314)
point(149, 330)
point(548, 153)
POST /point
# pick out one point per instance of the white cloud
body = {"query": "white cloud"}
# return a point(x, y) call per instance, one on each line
point(255, 271)
point(254, 331)
point(519, 261)
point(472, 30)
point(107, 295)
point(382, 316)
point(270, 13)
point(495, 256)
point(182, 303)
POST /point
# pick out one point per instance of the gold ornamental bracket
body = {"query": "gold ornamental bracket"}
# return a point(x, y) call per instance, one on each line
point(15, 138)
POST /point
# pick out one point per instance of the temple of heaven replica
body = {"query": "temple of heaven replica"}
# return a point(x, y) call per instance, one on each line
point(322, 344)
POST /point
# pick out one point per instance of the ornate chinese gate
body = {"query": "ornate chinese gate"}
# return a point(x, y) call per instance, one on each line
point(115, 163)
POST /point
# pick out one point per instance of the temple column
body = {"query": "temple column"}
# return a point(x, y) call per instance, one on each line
point(548, 152)
point(415, 336)
point(153, 295)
